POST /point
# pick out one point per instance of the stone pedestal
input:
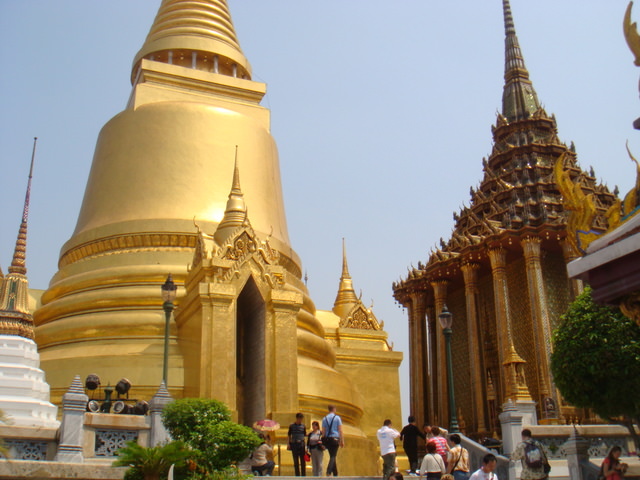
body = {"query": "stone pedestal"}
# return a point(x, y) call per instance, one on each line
point(577, 450)
point(159, 434)
point(74, 405)
point(528, 410)
point(511, 421)
point(24, 393)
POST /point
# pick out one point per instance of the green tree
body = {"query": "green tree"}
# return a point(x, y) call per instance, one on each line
point(205, 425)
point(596, 361)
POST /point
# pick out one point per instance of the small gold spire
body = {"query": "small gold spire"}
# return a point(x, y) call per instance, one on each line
point(200, 27)
point(235, 215)
point(15, 317)
point(18, 264)
point(346, 298)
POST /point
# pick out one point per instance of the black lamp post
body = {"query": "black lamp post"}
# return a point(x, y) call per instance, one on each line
point(168, 296)
point(446, 320)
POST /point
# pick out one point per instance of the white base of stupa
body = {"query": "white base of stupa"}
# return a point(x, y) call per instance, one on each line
point(24, 393)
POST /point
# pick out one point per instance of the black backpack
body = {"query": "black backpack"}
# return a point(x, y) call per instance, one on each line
point(533, 457)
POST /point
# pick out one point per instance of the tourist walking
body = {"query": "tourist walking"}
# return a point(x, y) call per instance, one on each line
point(316, 448)
point(409, 436)
point(297, 435)
point(535, 465)
point(386, 436)
point(486, 472)
point(432, 464)
point(458, 459)
point(332, 438)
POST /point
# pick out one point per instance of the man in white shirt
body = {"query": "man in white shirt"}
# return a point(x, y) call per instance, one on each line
point(489, 463)
point(386, 436)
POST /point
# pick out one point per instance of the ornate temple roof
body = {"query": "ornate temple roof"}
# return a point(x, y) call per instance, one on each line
point(517, 195)
point(15, 316)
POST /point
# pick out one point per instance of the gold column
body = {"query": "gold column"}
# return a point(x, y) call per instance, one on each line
point(418, 353)
point(282, 334)
point(218, 340)
point(514, 384)
point(576, 286)
point(441, 407)
point(432, 330)
point(539, 310)
point(470, 273)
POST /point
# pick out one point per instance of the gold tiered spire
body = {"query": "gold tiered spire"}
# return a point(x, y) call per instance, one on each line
point(15, 317)
point(346, 298)
point(235, 214)
point(519, 99)
point(197, 34)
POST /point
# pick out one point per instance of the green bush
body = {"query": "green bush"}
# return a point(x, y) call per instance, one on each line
point(205, 425)
point(187, 419)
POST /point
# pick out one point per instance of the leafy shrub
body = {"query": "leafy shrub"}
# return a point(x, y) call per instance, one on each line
point(205, 425)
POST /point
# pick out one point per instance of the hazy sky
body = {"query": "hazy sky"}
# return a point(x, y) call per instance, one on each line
point(381, 111)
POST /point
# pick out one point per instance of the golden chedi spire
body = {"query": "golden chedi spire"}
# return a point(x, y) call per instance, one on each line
point(164, 160)
point(346, 298)
point(198, 34)
point(519, 99)
point(15, 316)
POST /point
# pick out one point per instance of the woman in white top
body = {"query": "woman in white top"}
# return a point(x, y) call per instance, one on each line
point(432, 464)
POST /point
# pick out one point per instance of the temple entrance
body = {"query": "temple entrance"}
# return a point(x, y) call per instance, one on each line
point(250, 355)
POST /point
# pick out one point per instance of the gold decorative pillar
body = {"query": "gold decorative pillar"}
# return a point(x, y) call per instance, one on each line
point(514, 385)
point(440, 368)
point(418, 353)
point(207, 335)
point(576, 286)
point(282, 341)
point(470, 273)
point(541, 325)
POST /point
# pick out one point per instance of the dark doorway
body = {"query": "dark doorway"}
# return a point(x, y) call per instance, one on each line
point(250, 355)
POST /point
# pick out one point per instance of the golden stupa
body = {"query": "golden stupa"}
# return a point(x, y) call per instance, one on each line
point(186, 181)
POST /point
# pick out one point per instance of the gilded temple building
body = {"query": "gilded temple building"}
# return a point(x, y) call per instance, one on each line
point(501, 273)
point(186, 181)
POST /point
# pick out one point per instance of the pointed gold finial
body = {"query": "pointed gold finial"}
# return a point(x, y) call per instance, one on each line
point(18, 264)
point(196, 34)
point(346, 298)
point(519, 99)
point(15, 317)
point(235, 215)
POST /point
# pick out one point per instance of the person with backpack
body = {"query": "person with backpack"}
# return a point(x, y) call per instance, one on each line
point(535, 465)
point(332, 438)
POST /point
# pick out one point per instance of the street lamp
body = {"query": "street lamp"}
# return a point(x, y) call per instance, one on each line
point(446, 320)
point(168, 296)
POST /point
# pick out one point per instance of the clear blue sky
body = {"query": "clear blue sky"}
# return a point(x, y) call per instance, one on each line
point(381, 112)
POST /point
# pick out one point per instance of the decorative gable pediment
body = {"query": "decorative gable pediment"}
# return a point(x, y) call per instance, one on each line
point(360, 318)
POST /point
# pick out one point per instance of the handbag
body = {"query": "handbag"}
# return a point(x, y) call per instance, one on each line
point(307, 457)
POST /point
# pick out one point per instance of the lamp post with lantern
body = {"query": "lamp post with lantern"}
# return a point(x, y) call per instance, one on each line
point(446, 320)
point(168, 296)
